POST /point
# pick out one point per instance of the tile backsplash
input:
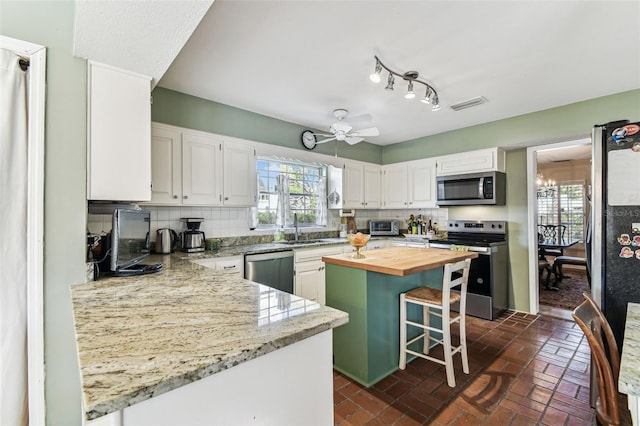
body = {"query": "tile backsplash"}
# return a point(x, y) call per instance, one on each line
point(230, 222)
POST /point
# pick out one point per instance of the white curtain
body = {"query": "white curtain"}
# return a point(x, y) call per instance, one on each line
point(321, 209)
point(284, 210)
point(13, 243)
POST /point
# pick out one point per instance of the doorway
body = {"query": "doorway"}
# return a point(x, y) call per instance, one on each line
point(558, 178)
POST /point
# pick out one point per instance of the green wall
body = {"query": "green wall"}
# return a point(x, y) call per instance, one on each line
point(51, 24)
point(188, 111)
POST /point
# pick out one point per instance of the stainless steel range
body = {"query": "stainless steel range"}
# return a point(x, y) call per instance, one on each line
point(487, 291)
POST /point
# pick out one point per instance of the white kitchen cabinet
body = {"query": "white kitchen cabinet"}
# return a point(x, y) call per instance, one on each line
point(166, 166)
point(421, 183)
point(482, 160)
point(201, 177)
point(118, 134)
point(233, 265)
point(361, 185)
point(378, 244)
point(240, 182)
point(410, 184)
point(189, 167)
point(309, 272)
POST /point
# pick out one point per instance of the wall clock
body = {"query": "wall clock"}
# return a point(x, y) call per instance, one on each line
point(308, 139)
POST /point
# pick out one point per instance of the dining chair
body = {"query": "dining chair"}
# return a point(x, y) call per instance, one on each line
point(438, 303)
point(611, 406)
point(552, 233)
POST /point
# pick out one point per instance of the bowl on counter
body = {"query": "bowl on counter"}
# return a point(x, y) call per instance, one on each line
point(358, 241)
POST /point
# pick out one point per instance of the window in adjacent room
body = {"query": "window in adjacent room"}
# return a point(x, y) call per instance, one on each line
point(287, 187)
point(564, 204)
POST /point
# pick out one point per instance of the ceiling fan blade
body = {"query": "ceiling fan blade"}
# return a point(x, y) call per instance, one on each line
point(326, 140)
point(352, 140)
point(371, 131)
point(340, 127)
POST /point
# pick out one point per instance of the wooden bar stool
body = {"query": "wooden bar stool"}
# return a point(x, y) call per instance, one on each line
point(438, 302)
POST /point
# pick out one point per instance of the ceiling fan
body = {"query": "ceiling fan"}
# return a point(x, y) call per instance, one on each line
point(342, 131)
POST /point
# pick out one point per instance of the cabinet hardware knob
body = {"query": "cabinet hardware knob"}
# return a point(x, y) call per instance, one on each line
point(185, 197)
point(175, 196)
point(226, 198)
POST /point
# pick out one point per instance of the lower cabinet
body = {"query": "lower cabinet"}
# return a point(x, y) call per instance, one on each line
point(231, 265)
point(309, 271)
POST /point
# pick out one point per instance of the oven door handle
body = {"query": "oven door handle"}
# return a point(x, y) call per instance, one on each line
point(479, 250)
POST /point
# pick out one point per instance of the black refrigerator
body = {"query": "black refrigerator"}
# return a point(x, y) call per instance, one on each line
point(615, 219)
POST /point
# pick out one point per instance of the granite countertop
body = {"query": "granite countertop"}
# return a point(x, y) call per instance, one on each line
point(138, 337)
point(400, 261)
point(629, 378)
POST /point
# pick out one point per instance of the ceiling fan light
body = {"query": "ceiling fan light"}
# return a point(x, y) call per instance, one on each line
point(425, 100)
point(436, 107)
point(375, 77)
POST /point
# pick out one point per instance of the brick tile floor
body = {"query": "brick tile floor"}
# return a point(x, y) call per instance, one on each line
point(524, 370)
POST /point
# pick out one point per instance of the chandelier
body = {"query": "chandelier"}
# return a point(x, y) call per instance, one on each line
point(411, 77)
point(546, 188)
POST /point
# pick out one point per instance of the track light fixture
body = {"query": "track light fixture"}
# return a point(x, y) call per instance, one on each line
point(430, 97)
point(390, 81)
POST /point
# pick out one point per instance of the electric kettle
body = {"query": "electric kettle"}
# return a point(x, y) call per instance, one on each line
point(166, 240)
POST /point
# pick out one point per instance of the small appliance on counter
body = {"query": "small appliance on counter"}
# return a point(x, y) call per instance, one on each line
point(127, 245)
point(166, 241)
point(384, 227)
point(193, 240)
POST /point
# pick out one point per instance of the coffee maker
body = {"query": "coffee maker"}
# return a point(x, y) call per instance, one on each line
point(193, 240)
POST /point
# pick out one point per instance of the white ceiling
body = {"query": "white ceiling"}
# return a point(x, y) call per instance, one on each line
point(299, 60)
point(140, 36)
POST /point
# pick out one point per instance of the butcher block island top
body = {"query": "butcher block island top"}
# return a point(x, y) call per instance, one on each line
point(400, 261)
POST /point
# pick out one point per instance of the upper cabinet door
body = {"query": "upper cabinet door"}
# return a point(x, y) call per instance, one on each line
point(166, 166)
point(394, 186)
point(353, 185)
point(240, 182)
point(372, 192)
point(118, 134)
point(482, 160)
point(422, 183)
point(201, 167)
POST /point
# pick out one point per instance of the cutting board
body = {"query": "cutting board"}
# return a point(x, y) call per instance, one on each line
point(351, 224)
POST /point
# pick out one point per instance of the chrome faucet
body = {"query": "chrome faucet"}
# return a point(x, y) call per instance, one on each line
point(295, 224)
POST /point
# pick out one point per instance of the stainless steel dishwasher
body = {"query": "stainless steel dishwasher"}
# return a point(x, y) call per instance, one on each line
point(272, 269)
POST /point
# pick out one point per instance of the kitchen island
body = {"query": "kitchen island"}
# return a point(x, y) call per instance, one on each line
point(191, 345)
point(367, 348)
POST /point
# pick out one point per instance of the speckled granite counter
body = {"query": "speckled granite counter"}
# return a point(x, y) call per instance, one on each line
point(629, 378)
point(139, 337)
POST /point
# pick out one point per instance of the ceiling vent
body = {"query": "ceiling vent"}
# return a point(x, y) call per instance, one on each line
point(478, 100)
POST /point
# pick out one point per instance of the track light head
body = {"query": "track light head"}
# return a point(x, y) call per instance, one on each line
point(390, 81)
point(410, 94)
point(375, 77)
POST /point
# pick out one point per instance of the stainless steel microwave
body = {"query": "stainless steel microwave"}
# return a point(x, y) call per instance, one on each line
point(487, 188)
point(384, 227)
